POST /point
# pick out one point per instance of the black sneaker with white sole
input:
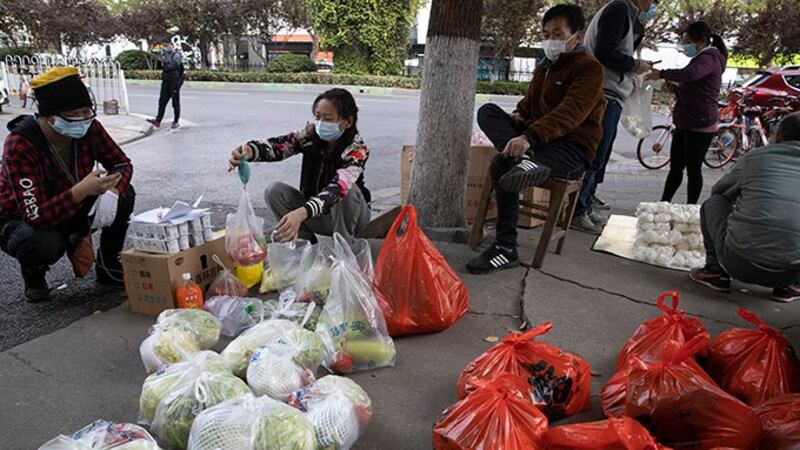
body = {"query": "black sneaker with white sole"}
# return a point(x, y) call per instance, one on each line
point(786, 294)
point(494, 259)
point(711, 277)
point(524, 175)
point(599, 203)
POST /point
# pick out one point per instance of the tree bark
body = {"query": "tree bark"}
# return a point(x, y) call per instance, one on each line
point(439, 170)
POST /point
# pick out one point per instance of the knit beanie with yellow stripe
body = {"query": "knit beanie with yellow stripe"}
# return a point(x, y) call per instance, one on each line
point(60, 89)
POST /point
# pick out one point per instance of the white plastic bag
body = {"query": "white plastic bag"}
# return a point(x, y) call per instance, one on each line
point(237, 314)
point(226, 283)
point(284, 264)
point(176, 335)
point(104, 435)
point(637, 113)
point(239, 352)
point(314, 279)
point(352, 325)
point(287, 307)
point(275, 372)
point(244, 235)
point(254, 423)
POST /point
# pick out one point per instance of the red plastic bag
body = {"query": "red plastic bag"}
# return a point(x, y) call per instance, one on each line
point(780, 418)
point(560, 381)
point(418, 291)
point(498, 415)
point(612, 434)
point(614, 392)
point(683, 407)
point(647, 341)
point(754, 365)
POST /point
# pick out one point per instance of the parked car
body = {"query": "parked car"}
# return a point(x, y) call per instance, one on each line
point(764, 85)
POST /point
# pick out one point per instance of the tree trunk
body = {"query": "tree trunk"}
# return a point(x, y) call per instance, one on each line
point(439, 171)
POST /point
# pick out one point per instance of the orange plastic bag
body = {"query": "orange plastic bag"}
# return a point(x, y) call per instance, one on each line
point(614, 392)
point(611, 434)
point(560, 381)
point(647, 341)
point(498, 415)
point(754, 365)
point(416, 288)
point(684, 408)
point(780, 418)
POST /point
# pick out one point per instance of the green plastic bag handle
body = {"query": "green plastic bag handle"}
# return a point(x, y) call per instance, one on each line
point(244, 171)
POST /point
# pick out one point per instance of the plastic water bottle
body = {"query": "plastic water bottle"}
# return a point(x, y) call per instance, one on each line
point(189, 295)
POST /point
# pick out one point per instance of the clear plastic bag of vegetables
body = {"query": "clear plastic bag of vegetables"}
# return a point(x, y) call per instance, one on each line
point(351, 324)
point(172, 376)
point(284, 264)
point(226, 283)
point(275, 371)
point(203, 325)
point(253, 423)
point(287, 307)
point(104, 435)
point(178, 409)
point(237, 314)
point(314, 278)
point(339, 409)
point(244, 236)
point(239, 352)
point(178, 334)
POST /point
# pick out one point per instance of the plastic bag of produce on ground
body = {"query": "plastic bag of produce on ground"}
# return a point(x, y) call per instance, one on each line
point(176, 412)
point(314, 278)
point(237, 314)
point(316, 392)
point(648, 340)
point(497, 415)
point(239, 352)
point(560, 381)
point(226, 283)
point(202, 324)
point(351, 324)
point(276, 371)
point(612, 434)
point(252, 423)
point(167, 347)
point(104, 435)
point(244, 236)
point(159, 384)
point(683, 407)
point(287, 307)
point(754, 365)
point(284, 264)
point(780, 419)
point(418, 290)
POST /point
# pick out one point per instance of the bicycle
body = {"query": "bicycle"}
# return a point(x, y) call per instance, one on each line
point(653, 151)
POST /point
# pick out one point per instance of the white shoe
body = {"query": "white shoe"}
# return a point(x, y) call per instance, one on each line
point(585, 224)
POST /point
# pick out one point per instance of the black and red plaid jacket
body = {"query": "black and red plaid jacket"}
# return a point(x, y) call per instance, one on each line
point(34, 187)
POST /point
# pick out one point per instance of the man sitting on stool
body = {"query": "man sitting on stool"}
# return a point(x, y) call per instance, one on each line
point(48, 186)
point(751, 224)
point(554, 131)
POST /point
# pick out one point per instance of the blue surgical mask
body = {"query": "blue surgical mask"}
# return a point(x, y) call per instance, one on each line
point(75, 130)
point(690, 50)
point(328, 131)
point(644, 16)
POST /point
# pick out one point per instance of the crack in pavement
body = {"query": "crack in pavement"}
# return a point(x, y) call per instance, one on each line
point(789, 327)
point(30, 365)
point(628, 298)
point(493, 314)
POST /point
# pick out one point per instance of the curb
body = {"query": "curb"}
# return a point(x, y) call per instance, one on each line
point(146, 131)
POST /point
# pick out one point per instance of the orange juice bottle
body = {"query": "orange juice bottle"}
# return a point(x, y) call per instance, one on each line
point(189, 295)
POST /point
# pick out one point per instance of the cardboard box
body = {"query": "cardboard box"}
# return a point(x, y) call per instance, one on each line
point(151, 279)
point(480, 158)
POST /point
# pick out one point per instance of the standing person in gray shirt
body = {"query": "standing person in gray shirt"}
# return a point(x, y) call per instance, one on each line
point(171, 81)
point(613, 36)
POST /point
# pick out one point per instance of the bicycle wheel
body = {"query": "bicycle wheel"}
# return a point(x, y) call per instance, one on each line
point(653, 151)
point(722, 148)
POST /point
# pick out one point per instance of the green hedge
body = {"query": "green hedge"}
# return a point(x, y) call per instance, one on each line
point(136, 60)
point(484, 87)
point(291, 64)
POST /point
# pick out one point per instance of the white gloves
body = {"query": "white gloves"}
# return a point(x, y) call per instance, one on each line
point(104, 210)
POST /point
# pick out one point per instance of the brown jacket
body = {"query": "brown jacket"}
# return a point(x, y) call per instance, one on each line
point(565, 100)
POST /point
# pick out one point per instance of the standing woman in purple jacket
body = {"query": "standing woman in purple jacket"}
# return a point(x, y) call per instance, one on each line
point(696, 113)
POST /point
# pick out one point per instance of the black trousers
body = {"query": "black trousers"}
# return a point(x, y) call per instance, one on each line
point(565, 160)
point(37, 250)
point(687, 153)
point(719, 256)
point(170, 89)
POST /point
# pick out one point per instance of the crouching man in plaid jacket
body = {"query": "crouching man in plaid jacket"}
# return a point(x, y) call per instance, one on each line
point(49, 186)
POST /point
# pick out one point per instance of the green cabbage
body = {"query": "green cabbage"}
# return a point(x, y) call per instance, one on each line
point(239, 352)
point(205, 327)
point(310, 348)
point(285, 429)
point(167, 347)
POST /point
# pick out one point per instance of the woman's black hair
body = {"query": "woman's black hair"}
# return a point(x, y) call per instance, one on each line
point(700, 31)
point(345, 104)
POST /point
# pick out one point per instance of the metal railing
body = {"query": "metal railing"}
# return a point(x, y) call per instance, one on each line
point(105, 79)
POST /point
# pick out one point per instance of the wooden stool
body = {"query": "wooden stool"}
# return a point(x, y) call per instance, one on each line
point(563, 199)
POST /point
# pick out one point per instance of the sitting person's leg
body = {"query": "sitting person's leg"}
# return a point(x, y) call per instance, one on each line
point(282, 199)
point(559, 158)
point(349, 217)
point(108, 267)
point(714, 224)
point(36, 251)
point(498, 125)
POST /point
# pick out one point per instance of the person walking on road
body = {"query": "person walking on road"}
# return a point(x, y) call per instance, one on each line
point(696, 113)
point(750, 224)
point(172, 72)
point(51, 196)
point(332, 197)
point(612, 37)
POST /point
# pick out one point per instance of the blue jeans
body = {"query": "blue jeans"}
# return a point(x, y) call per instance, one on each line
point(610, 122)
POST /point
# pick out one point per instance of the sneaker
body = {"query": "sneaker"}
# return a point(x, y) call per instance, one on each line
point(524, 175)
point(585, 224)
point(492, 260)
point(175, 125)
point(786, 294)
point(599, 203)
point(711, 277)
point(598, 219)
point(36, 289)
point(154, 122)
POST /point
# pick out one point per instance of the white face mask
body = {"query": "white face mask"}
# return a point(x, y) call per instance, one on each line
point(553, 48)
